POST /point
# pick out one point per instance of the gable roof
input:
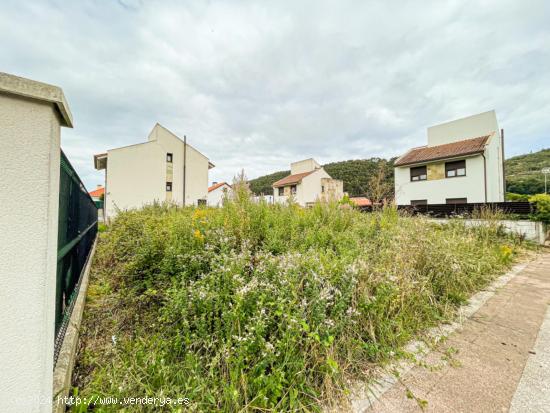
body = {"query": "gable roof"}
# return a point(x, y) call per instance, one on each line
point(447, 150)
point(97, 192)
point(292, 179)
point(216, 186)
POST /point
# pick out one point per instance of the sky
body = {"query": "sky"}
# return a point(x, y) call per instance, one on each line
point(257, 85)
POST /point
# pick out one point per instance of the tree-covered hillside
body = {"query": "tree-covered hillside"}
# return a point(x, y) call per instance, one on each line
point(523, 172)
point(355, 174)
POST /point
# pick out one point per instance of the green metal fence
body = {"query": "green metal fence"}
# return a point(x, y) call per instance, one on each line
point(76, 235)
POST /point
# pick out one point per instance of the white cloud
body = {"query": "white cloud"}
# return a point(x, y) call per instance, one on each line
point(257, 85)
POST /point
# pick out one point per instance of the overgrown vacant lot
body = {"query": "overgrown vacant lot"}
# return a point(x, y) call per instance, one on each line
point(253, 307)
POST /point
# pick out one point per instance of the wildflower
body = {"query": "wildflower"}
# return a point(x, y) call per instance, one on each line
point(198, 235)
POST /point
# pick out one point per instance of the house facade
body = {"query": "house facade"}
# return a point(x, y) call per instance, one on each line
point(163, 169)
point(463, 162)
point(217, 193)
point(307, 183)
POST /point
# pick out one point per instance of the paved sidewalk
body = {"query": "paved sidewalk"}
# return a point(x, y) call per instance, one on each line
point(479, 367)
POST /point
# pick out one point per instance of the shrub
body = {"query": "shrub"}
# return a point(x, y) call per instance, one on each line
point(269, 307)
point(542, 203)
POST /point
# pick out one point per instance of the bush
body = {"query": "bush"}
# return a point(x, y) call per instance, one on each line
point(269, 307)
point(542, 203)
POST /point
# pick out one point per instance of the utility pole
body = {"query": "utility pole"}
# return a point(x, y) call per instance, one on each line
point(184, 165)
point(545, 171)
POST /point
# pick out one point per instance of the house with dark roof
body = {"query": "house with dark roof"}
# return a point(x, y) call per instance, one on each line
point(307, 183)
point(463, 162)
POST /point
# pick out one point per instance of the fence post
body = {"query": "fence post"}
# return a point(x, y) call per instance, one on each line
point(31, 114)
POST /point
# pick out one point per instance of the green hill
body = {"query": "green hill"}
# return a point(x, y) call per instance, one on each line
point(355, 174)
point(523, 172)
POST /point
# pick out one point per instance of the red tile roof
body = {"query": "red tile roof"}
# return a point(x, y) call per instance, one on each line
point(216, 186)
point(97, 192)
point(361, 201)
point(447, 150)
point(292, 179)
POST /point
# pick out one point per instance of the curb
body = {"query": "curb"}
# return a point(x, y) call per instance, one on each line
point(62, 375)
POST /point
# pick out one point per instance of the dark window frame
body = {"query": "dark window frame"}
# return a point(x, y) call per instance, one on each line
point(281, 191)
point(293, 189)
point(168, 186)
point(419, 173)
point(201, 201)
point(455, 201)
point(169, 157)
point(454, 167)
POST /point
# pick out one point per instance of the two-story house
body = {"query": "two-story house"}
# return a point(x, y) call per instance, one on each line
point(163, 169)
point(462, 163)
point(307, 183)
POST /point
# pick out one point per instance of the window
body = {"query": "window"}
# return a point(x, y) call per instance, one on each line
point(416, 202)
point(322, 189)
point(293, 189)
point(454, 169)
point(456, 201)
point(281, 191)
point(201, 202)
point(419, 173)
point(168, 186)
point(169, 157)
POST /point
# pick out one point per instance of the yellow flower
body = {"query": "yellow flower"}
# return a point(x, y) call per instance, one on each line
point(198, 235)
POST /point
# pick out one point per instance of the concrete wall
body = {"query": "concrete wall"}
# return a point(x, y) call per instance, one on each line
point(531, 230)
point(137, 174)
point(30, 120)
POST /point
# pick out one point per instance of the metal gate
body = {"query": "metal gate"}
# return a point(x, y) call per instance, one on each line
point(76, 236)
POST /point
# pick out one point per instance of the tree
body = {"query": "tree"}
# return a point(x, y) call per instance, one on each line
point(379, 185)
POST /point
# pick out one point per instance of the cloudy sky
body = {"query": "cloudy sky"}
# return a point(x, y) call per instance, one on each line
point(256, 85)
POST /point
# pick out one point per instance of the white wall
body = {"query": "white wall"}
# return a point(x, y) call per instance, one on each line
point(137, 174)
point(216, 197)
point(495, 172)
point(310, 189)
point(469, 127)
point(303, 166)
point(436, 191)
point(196, 175)
point(29, 195)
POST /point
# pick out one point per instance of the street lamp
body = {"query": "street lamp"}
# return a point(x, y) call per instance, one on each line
point(545, 171)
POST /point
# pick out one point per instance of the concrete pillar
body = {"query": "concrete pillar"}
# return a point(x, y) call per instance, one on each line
point(31, 114)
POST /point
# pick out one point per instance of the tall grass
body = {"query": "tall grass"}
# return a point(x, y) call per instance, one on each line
point(255, 307)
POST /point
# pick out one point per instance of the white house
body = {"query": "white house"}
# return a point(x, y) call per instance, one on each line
point(307, 183)
point(463, 162)
point(217, 193)
point(164, 168)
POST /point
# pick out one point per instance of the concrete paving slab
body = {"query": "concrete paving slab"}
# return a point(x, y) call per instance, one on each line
point(533, 391)
point(488, 356)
